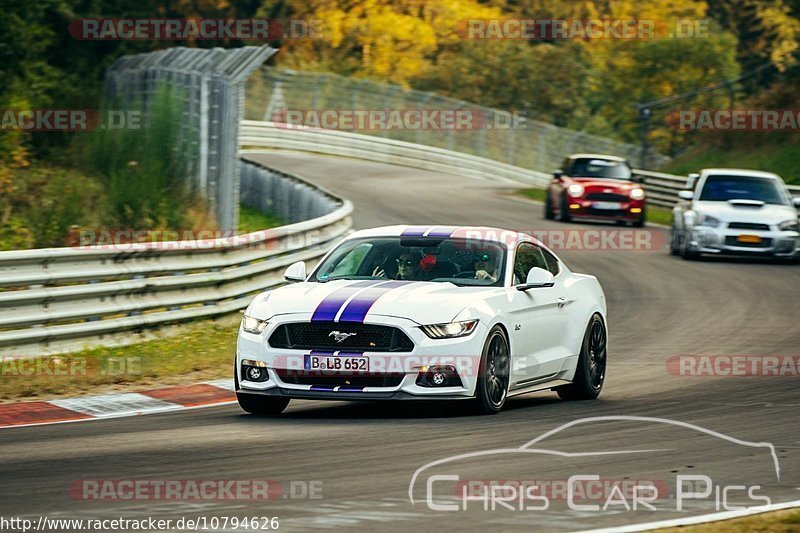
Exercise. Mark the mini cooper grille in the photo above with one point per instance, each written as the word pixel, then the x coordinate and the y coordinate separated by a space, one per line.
pixel 295 377
pixel 748 225
pixel 606 197
pixel 321 336
pixel 606 212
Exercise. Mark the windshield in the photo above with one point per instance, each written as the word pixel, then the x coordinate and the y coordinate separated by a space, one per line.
pixel 460 261
pixel 599 168
pixel 724 188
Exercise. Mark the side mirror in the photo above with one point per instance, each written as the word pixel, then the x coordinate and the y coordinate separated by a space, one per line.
pixel 296 272
pixel 685 195
pixel 558 174
pixel 796 202
pixel 537 278
pixel 691 181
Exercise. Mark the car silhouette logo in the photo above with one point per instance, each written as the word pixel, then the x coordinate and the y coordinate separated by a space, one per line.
pixel 339 336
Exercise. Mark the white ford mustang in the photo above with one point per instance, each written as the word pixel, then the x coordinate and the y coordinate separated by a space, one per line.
pixel 411 312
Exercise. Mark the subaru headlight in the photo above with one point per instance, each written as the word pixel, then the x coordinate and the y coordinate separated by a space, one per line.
pixel 707 220
pixel 789 225
pixel 253 325
pixel 637 194
pixel 575 189
pixel 450 330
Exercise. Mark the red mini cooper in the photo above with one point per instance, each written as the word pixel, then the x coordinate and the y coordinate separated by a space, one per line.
pixel 597 187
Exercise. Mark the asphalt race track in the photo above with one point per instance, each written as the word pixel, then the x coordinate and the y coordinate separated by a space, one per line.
pixel 365 454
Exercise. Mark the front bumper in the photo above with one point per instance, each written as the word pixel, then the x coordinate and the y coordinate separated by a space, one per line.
pixel 709 240
pixel 402 369
pixel 628 211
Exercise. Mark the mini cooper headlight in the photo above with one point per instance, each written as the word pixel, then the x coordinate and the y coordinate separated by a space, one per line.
pixel 253 325
pixel 450 330
pixel 709 221
pixel 789 225
pixel 575 189
pixel 637 194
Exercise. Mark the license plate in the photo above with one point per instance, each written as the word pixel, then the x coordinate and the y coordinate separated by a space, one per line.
pixel 751 239
pixel 607 205
pixel 329 362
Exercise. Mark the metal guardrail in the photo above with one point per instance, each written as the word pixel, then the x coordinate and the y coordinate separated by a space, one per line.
pixel 269 135
pixel 60 299
pixel 662 189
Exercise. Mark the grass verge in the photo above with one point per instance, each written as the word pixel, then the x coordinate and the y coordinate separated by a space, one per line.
pixel 777 522
pixel 203 351
pixel 655 214
pixel 251 219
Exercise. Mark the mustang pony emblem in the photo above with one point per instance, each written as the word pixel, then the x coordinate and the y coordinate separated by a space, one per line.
pixel 338 336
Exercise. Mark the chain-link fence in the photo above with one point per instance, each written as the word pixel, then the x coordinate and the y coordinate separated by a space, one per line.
pixel 272 94
pixel 208 85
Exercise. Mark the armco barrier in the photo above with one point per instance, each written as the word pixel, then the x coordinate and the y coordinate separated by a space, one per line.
pixel 60 299
pixel 662 189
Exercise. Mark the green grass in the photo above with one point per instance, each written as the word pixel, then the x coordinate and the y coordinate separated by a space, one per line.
pixel 202 351
pixel 655 214
pixel 778 522
pixel 251 219
pixel 781 157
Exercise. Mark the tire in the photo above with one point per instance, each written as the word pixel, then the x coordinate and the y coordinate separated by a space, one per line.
pixel 674 242
pixel 548 206
pixel 493 377
pixel 591 372
pixel 639 223
pixel 686 253
pixel 563 211
pixel 257 404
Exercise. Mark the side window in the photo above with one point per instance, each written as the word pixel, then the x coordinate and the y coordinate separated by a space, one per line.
pixel 565 166
pixel 527 257
pixel 552 262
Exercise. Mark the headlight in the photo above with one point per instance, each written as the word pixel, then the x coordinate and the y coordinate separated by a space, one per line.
pixel 706 220
pixel 253 325
pixel 451 330
pixel 789 225
pixel 637 194
pixel 575 189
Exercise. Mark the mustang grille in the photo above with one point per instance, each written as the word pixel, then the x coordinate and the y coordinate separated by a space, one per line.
pixel 320 336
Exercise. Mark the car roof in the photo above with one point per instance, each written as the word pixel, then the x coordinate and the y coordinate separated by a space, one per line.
pixel 738 172
pixel 598 156
pixel 504 236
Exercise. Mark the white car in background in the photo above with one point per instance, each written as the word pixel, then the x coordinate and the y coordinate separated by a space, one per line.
pixel 425 312
pixel 733 211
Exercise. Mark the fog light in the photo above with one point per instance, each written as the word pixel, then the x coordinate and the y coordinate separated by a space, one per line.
pixel 574 206
pixel 636 209
pixel 254 373
pixel 438 376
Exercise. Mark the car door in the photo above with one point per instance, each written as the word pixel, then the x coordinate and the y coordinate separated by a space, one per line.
pixel 536 321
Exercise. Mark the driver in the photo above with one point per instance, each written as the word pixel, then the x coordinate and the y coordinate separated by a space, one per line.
pixel 485 265
pixel 408 267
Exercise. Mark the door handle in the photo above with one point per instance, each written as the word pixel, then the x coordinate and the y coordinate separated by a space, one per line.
pixel 561 301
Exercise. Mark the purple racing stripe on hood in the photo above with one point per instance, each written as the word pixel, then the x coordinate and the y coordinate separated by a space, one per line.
pixel 330 305
pixel 357 308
